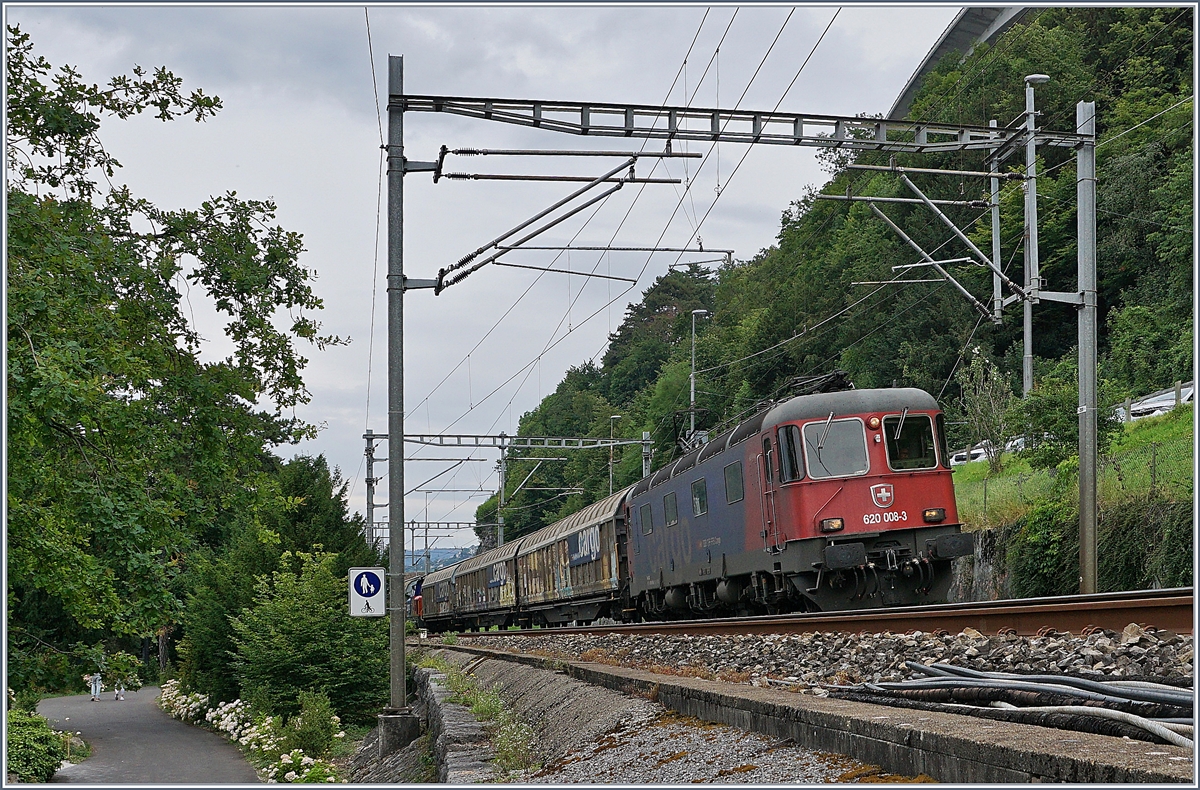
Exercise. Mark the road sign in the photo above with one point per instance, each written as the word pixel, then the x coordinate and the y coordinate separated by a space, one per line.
pixel 368 593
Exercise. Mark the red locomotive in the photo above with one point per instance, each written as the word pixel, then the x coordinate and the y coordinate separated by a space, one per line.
pixel 831 501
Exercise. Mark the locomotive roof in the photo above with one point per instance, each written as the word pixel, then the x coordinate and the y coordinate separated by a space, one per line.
pixel 811 407
pixel 597 513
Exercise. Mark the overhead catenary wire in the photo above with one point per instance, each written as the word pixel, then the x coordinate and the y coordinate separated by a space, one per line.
pixel 512 307
pixel 537 279
pixel 375 256
pixel 554 342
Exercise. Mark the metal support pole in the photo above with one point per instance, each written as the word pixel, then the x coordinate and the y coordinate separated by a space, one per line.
pixel 1085 122
pixel 611 418
pixel 369 436
pixel 997 297
pixel 500 506
pixel 692 380
pixel 1032 278
pixel 395 289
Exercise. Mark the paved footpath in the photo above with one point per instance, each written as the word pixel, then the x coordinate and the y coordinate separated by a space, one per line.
pixel 134 742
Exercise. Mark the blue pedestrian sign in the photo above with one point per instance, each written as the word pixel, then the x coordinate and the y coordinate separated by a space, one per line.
pixel 368 596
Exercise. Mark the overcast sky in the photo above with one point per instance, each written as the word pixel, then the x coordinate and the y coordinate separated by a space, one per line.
pixel 300 126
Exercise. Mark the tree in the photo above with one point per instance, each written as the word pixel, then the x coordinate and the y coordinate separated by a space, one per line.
pixel 303 510
pixel 126 451
pixel 297 636
pixel 987 403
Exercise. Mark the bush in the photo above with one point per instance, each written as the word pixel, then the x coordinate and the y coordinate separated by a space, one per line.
pixel 35 750
pixel 1142 544
pixel 298 637
pixel 1044 558
pixel 314 730
pixel 26 700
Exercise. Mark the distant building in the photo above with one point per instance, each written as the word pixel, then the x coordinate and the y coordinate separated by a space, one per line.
pixel 971 26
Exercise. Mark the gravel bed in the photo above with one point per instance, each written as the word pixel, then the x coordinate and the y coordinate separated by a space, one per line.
pixel 839 658
pixel 681 750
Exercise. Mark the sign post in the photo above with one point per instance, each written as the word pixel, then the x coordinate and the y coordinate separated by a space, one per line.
pixel 368 592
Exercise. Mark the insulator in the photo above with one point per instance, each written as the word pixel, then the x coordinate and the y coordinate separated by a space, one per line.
pixel 466 151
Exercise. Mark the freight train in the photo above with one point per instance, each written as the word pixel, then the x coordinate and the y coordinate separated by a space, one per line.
pixel 822 502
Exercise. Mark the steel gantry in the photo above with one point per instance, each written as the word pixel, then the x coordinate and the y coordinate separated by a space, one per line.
pixel 598 119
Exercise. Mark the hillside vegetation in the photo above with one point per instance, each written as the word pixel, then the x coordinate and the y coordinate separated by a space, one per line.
pixel 790 310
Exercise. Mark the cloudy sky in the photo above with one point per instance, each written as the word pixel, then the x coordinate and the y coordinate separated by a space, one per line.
pixel 300 125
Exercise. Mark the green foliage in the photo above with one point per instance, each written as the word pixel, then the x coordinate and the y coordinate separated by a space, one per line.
pixel 127 451
pixel 26 700
pixel 122 668
pixel 1044 558
pixel 303 505
pixel 313 729
pixel 297 636
pixel 1143 544
pixel 988 405
pixel 1051 420
pixel 35 750
pixel 1150 349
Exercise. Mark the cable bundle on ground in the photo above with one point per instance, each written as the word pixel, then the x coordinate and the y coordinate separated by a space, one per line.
pixel 1143 711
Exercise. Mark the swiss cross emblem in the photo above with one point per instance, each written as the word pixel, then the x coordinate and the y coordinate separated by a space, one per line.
pixel 882 495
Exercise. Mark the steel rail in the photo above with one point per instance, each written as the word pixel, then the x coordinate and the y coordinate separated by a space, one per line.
pixel 1164 609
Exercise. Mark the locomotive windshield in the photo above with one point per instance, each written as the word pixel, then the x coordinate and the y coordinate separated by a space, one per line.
pixel 914 447
pixel 835 448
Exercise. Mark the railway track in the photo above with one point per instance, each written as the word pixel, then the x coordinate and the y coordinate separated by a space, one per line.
pixel 1170 610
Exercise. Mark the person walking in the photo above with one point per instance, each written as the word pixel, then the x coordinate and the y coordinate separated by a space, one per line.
pixel 97 683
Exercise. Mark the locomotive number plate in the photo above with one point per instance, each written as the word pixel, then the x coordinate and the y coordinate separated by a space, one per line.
pixel 885 518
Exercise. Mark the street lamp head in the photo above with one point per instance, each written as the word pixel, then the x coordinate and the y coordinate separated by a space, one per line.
pixel 699 312
pixel 615 417
pixel 1037 79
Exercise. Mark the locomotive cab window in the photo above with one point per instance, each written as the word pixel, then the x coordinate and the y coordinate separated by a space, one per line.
pixel 941 440
pixel 647 519
pixel 733 483
pixel 789 462
pixel 835 448
pixel 671 509
pixel 910 442
pixel 699 497
pixel 767 457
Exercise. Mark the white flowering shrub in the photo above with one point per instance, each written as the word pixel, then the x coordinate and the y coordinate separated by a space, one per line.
pixel 296 766
pixel 264 739
pixel 181 705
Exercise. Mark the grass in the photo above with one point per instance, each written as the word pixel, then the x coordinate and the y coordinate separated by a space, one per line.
pixel 513 741
pixel 1153 455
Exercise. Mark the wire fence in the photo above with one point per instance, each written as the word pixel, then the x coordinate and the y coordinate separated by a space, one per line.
pixel 1162 469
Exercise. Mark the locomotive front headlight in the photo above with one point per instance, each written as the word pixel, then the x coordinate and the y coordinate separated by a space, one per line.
pixel 933 515
pixel 832 524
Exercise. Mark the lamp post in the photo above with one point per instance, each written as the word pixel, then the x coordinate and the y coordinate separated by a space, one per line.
pixel 612 419
pixel 692 408
pixel 1033 280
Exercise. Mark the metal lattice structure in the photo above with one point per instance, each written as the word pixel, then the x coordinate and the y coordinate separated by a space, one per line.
pixel 600 119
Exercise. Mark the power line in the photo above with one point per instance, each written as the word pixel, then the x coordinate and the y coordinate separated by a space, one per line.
pixel 537 279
